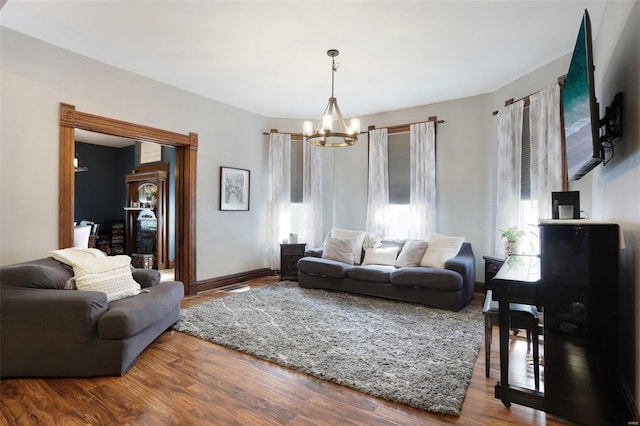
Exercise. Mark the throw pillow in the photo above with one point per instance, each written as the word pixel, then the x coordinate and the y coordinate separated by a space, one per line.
pixel 371 240
pixel 380 256
pixel 347 234
pixel 440 249
pixel 339 249
pixel 110 275
pixel 411 254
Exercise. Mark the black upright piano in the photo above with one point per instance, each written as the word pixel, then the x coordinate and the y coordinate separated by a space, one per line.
pixel 577 287
pixel 579 263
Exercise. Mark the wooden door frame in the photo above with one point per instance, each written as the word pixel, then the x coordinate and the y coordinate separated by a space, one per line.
pixel 186 146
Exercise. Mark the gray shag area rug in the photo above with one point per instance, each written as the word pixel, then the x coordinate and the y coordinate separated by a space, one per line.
pixel 402 352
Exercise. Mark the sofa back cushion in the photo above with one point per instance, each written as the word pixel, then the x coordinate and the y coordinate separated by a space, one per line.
pixel 411 254
pixel 380 256
pixel 40 273
pixel 358 236
pixel 441 248
pixel 340 249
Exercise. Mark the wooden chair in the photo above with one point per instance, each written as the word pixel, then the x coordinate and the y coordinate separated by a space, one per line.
pixel 522 317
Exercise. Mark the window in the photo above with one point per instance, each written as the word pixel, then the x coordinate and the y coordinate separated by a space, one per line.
pixel 529 244
pixel 525 168
pixel 296 171
pixel 296 187
pixel 399 164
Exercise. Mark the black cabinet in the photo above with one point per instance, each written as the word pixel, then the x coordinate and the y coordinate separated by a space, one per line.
pixel 289 256
pixel 579 275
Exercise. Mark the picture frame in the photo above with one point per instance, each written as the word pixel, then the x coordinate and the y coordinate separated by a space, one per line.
pixel 150 152
pixel 234 189
pixel 565 205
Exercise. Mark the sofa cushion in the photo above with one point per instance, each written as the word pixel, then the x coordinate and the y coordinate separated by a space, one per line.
pixel 371 240
pixel 411 254
pixel 323 267
pixel 41 273
pixel 373 273
pixel 433 278
pixel 339 249
pixel 380 256
pixel 127 317
pixel 441 248
pixel 348 234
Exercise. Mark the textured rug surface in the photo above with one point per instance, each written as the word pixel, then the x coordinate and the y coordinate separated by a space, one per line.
pixel 402 352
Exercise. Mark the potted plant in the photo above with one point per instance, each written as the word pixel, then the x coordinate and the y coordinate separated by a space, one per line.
pixel 511 235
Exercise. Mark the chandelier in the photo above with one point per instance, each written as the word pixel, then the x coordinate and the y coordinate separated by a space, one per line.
pixel 332 130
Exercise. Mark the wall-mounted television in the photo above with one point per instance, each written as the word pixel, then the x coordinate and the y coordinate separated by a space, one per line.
pixel 581 116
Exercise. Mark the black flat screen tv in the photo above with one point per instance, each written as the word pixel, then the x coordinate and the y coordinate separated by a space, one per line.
pixel 581 122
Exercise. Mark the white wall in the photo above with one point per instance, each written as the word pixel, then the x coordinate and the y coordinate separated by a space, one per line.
pixel 37 76
pixel 616 186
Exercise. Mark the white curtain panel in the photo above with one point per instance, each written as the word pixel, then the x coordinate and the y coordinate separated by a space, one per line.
pixel 312 194
pixel 378 194
pixel 278 197
pixel 509 169
pixel 546 147
pixel 422 196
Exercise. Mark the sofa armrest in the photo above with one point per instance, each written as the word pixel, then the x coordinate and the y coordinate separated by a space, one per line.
pixel 313 252
pixel 49 315
pixel 146 277
pixel 464 263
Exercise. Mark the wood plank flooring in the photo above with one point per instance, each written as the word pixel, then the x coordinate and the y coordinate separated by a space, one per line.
pixel 182 380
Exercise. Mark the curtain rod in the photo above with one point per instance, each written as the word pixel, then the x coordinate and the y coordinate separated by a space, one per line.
pixel 392 129
pixel 294 136
pixel 508 102
pixel 398 128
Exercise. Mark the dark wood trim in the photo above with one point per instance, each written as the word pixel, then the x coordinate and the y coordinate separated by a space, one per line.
pixel 212 283
pixel 186 146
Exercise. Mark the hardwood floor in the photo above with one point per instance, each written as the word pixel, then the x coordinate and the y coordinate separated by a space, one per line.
pixel 180 379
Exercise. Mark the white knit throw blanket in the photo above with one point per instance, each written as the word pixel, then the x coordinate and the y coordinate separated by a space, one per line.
pixel 69 256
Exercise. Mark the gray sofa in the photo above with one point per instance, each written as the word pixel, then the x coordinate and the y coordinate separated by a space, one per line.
pixel 448 288
pixel 47 331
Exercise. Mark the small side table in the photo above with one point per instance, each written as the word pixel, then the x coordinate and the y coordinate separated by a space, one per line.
pixel 289 256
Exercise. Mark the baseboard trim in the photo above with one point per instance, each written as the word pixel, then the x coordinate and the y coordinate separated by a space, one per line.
pixel 212 283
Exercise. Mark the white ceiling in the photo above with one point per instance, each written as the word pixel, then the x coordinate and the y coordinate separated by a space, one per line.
pixel 269 57
pixel 94 138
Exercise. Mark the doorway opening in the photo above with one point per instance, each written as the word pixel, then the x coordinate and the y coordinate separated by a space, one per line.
pixel 186 147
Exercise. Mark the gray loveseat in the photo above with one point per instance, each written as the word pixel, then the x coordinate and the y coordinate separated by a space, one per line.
pixel 47 331
pixel 448 288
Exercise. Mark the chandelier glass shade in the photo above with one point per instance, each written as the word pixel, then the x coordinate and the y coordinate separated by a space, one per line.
pixel 332 130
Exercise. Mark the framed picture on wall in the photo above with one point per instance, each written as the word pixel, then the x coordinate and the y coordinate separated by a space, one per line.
pixel 150 152
pixel 234 188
